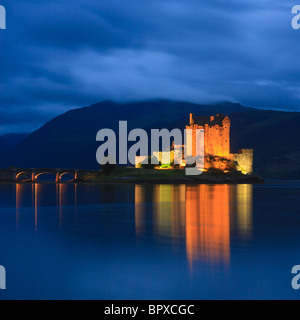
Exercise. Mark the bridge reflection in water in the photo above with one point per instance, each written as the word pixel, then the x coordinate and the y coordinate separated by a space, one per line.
pixel 204 216
pixel 37 192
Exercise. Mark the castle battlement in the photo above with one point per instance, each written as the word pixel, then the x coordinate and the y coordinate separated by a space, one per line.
pixel 217 143
pixel 216 134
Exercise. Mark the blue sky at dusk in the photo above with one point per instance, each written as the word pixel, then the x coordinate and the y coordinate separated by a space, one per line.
pixel 60 55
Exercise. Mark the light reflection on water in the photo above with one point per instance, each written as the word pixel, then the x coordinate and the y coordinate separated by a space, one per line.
pixel 202 213
pixel 37 191
pixel 126 241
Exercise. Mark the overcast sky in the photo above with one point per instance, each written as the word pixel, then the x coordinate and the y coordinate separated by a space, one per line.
pixel 59 55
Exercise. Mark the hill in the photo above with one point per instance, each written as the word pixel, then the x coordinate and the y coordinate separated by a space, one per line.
pixel 9 141
pixel 69 141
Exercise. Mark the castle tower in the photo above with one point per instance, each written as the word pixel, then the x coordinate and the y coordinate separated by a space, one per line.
pixel 216 134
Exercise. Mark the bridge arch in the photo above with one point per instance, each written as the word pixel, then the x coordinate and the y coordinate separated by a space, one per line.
pixel 65 173
pixel 20 173
pixel 36 175
pixel 14 174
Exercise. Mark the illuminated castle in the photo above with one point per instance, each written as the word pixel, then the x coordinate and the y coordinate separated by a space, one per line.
pixel 217 144
pixel 217 153
pixel 216 134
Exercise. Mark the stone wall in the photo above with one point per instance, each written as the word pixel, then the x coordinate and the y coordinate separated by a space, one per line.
pixel 216 139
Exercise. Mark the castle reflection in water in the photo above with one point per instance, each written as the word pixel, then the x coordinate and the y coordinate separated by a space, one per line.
pixel 203 215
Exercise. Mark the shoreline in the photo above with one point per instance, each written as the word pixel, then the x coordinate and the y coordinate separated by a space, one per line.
pixel 177 180
pixel 148 181
pixel 228 179
pixel 150 176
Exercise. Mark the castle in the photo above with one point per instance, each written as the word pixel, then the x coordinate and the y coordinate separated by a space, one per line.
pixel 217 152
pixel 217 144
pixel 216 134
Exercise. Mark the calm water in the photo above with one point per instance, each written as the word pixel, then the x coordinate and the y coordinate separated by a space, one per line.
pixel 85 241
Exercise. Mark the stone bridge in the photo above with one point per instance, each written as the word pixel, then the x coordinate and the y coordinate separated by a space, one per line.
pixel 33 174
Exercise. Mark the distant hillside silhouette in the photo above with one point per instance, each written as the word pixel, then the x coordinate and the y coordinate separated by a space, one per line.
pixel 69 141
pixel 8 141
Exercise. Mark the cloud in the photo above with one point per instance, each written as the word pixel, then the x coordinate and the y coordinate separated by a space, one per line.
pixel 59 55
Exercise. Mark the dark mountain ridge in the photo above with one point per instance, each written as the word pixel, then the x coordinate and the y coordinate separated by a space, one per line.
pixel 8 141
pixel 69 141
